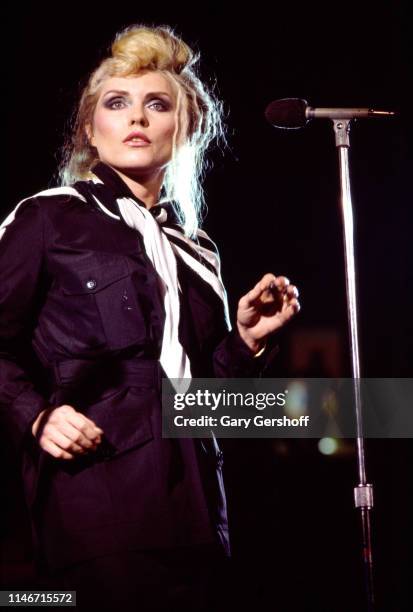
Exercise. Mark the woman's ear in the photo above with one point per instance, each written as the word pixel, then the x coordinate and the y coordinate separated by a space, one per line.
pixel 89 134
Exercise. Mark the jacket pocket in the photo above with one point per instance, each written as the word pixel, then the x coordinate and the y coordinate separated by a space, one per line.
pixel 125 420
pixel 109 291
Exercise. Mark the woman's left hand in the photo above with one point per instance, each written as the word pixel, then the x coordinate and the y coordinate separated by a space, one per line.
pixel 266 308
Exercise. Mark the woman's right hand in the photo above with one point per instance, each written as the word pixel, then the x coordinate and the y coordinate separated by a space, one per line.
pixel 65 432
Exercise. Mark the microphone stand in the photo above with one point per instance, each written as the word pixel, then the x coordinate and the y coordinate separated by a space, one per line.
pixel 363 492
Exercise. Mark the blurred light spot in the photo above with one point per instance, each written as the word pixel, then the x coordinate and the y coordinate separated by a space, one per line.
pixel 328 446
pixel 297 399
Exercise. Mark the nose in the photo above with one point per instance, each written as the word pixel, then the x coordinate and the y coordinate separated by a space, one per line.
pixel 138 116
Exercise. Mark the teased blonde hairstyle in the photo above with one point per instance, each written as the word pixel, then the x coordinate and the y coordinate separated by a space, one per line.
pixel 199 115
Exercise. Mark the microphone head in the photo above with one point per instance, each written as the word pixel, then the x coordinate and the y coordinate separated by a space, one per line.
pixel 287 113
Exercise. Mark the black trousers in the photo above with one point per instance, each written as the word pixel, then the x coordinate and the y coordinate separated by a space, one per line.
pixel 187 579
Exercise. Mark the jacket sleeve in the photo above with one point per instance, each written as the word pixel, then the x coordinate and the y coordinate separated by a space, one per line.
pixel 23 279
pixel 234 359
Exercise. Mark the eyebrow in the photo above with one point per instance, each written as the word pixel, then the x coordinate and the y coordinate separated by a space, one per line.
pixel 123 92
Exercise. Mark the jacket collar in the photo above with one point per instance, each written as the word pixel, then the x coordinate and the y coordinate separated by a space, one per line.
pixel 115 186
pixel 110 187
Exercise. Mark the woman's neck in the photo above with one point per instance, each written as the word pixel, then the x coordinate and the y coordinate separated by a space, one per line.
pixel 147 189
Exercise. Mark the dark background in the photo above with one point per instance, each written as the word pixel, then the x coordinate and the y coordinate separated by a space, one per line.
pixel 273 206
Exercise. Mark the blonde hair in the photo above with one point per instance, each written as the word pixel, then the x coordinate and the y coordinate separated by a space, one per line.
pixel 199 115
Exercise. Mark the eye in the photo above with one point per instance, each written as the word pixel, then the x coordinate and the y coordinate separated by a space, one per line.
pixel 115 103
pixel 159 105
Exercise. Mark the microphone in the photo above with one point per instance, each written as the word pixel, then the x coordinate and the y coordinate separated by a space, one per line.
pixel 294 113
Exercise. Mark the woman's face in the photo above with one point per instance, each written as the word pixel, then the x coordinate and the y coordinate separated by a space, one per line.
pixel 134 123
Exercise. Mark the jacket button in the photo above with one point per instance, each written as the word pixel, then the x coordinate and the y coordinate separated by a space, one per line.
pixel 91 284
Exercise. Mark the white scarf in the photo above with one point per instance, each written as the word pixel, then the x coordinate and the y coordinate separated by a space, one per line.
pixel 162 253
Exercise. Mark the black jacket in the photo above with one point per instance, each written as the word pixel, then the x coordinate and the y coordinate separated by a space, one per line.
pixel 81 323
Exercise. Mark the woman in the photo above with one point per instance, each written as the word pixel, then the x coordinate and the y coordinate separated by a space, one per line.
pixel 108 286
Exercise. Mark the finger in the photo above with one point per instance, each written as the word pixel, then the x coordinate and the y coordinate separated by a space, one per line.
pixel 85 425
pixel 75 426
pixel 281 283
pixel 293 306
pixel 74 416
pixel 82 431
pixel 268 278
pixel 55 450
pixel 62 441
pixel 263 285
pixel 92 423
pixel 254 294
pixel 76 435
pixel 292 291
